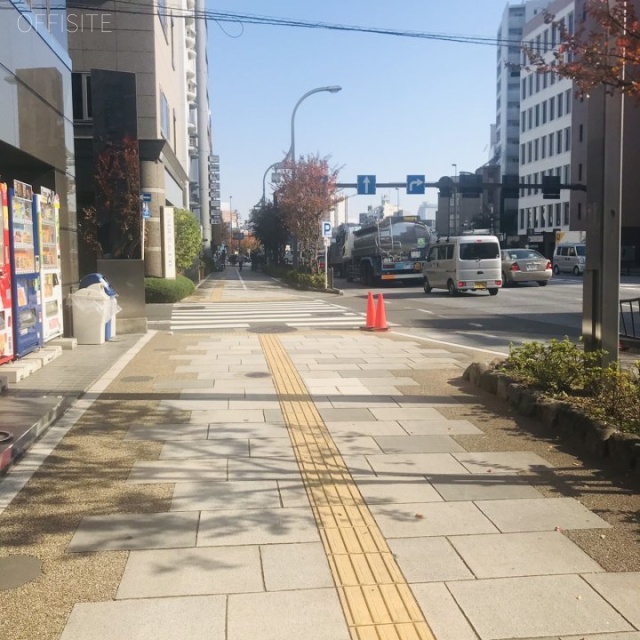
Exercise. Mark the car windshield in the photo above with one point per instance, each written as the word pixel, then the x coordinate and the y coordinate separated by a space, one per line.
pixel 522 254
pixel 479 250
pixel 581 250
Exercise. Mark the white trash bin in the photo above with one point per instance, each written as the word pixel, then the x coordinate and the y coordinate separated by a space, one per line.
pixel 91 312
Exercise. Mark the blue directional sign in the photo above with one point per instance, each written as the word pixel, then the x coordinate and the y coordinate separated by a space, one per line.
pixel 366 185
pixel 146 197
pixel 415 185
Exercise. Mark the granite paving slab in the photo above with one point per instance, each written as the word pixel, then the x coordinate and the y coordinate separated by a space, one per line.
pixel 407 413
pixel 172 470
pixel 502 462
pixel 622 590
pixel 535 606
pixel 198 618
pixel 347 415
pixel 440 426
pixel 390 489
pixel 293 494
pixel 271 446
pixel 124 531
pixel 445 618
pixel 357 445
pixel 428 560
pixel 186 431
pixel 540 515
pixel 290 567
pixel 208 496
pixel 418 444
pixel 633 635
pixel 431 519
pixel 313 614
pixel 360 402
pixel 269 468
pixel 247 430
pixel 191 572
pixel 194 404
pixel 256 526
pixel 506 555
pixel 236 415
pixel 488 487
pixel 416 464
pixel 216 447
pixel 364 428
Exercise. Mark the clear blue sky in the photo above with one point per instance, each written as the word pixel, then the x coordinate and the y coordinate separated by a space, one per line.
pixel 407 106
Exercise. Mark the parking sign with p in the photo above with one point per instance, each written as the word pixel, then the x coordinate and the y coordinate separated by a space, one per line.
pixel 326 228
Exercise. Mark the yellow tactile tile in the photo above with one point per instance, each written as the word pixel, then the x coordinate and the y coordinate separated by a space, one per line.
pixel 377 601
pixel 216 294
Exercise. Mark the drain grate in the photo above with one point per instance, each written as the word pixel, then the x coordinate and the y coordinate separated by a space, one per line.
pixel 258 374
pixel 18 570
pixel 275 328
pixel 136 379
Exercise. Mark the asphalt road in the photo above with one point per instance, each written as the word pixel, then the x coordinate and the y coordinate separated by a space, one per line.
pixel 517 314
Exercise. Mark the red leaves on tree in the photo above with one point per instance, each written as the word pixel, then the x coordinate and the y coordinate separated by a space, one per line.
pixel 603 51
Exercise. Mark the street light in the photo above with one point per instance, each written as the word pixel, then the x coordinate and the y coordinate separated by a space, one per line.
pixel 292 149
pixel 275 165
pixel 455 197
pixel 291 155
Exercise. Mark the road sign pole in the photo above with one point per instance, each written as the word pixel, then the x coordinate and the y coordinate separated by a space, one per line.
pixel 326 266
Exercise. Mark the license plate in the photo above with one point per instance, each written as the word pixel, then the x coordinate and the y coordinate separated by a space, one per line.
pixel 479 285
pixel 388 277
pixel 531 267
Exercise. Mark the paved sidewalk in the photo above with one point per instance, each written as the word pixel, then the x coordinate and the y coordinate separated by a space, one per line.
pixel 280 486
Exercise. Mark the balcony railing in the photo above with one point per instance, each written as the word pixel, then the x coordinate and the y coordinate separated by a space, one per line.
pixel 630 319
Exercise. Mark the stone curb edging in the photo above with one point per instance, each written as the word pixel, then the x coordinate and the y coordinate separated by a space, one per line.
pixel 593 435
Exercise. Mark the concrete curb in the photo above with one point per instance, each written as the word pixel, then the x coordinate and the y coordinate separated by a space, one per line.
pixel 591 434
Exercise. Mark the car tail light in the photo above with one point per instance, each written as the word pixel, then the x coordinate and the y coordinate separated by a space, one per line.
pixel 498 283
pixel 462 285
pixel 549 267
pixel 514 267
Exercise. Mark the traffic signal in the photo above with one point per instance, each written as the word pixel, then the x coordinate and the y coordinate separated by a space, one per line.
pixel 551 187
pixel 470 185
pixel 511 186
pixel 445 187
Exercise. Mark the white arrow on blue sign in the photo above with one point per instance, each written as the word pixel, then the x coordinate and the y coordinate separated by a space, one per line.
pixel 415 185
pixel 366 185
pixel 146 197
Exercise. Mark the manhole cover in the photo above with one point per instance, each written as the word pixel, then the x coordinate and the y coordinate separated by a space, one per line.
pixel 136 379
pixel 258 374
pixel 18 570
pixel 276 328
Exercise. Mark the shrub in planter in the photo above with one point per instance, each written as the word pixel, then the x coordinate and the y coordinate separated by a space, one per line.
pixel 158 290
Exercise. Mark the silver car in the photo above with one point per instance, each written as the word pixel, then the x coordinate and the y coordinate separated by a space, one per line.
pixel 525 265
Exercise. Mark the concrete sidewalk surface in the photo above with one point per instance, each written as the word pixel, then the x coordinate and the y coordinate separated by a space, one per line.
pixel 231 486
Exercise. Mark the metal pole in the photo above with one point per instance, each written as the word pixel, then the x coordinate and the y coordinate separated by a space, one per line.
pixel 455 198
pixel 264 178
pixel 202 99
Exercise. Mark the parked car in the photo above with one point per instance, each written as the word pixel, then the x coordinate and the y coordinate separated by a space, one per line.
pixel 570 258
pixel 525 265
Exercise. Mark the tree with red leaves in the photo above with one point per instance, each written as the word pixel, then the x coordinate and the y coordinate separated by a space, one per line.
pixel 113 226
pixel 305 195
pixel 603 51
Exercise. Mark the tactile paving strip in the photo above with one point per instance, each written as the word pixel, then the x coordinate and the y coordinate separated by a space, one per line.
pixel 376 599
pixel 216 295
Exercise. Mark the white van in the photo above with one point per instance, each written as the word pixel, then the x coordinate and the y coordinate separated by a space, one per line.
pixel 570 258
pixel 464 263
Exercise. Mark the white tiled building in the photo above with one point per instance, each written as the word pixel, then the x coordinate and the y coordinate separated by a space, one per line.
pixel 546 103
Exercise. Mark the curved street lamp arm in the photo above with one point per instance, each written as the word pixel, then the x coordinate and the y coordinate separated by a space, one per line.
pixel 264 178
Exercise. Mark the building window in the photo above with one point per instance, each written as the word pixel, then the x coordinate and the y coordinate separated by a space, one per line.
pixel 530 112
pixel 164 117
pixel 545 79
pixel 558 142
pixel 535 149
pixel 565 170
pixel 523 124
pixel 557 214
pixel 550 144
pixel 580 171
pixel 524 88
pixel 81 93
pixel 567 139
pixel 537 120
pixel 537 82
pixel 523 158
pixel 543 150
pixel 529 151
pixel 559 98
pixel 552 78
pixel 531 85
pixel 522 218
pixel 568 99
pixel 566 214
pixel 544 112
pixel 552 108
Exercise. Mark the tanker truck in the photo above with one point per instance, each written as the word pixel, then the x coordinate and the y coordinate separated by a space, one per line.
pixel 391 248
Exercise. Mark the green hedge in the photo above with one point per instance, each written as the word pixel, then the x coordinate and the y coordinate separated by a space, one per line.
pixel 305 280
pixel 157 290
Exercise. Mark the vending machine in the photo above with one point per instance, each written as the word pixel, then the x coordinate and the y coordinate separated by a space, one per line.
pixel 6 324
pixel 47 207
pixel 25 270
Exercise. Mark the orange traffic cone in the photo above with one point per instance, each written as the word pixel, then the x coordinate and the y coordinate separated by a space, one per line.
pixel 371 314
pixel 381 318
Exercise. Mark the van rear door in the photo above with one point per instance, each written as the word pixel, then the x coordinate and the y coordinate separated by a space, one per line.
pixel 479 263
